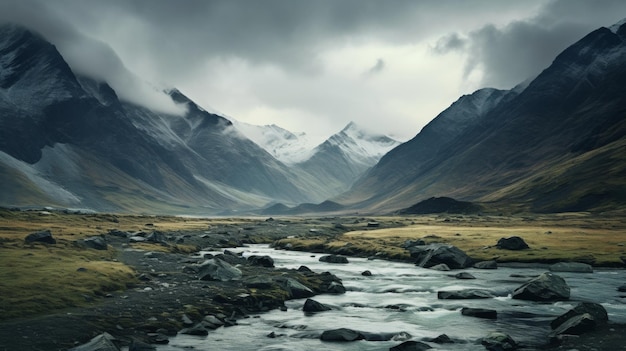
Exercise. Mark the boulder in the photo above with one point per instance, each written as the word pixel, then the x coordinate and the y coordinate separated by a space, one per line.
pixel 411 243
pixel 211 322
pixel 44 236
pixel 576 325
pixel 411 345
pixel 621 288
pixel 263 261
pixel 312 306
pixel 102 342
pixel 136 345
pixel 486 265
pixel 157 238
pixel 440 267
pixel 341 334
pixel 466 294
pixel 497 341
pixel 434 254
pixel 366 273
pixel 334 259
pixel 597 311
pixel 479 313
pixel 197 329
pixel 216 269
pixel 296 289
pixel 335 287
pixel 259 282
pixel 441 339
pixel 573 267
pixel 546 287
pixel 464 275
pixel 512 243
pixel 94 242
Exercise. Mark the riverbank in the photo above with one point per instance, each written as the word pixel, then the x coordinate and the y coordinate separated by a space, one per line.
pixel 143 285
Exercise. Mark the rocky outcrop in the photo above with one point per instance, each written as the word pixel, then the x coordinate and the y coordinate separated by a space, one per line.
pixel 44 236
pixel 596 311
pixel 512 243
pixel 572 267
pixel 433 254
pixel 216 269
pixel 546 287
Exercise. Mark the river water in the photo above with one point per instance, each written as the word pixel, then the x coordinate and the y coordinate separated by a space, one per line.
pixel 400 297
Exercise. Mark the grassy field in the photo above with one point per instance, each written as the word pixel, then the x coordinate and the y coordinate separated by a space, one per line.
pixel 582 237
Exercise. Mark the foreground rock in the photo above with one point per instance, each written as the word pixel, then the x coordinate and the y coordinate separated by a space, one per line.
pixel 431 255
pixel 583 318
pixel 411 346
pixel 572 267
pixel 512 243
pixel 497 341
pixel 341 334
pixel 546 287
pixel 102 342
pixel 312 306
pixel 334 259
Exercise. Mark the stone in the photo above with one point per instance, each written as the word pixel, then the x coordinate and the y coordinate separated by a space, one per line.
pixel 479 313
pixel 497 341
pixel 441 339
pixel 312 306
pixel 546 287
pixel 136 239
pixel 335 288
pixel 512 243
pixel 296 289
pixel 136 345
pixel 411 345
pixel 334 259
pixel 262 261
pixel 466 294
pixel 621 288
pixel 464 275
pixel 576 325
pixel 486 265
pixel 304 269
pixel 259 282
pixel 434 254
pixel 341 334
pixel 440 267
pixel 572 267
pixel 366 273
pixel 102 342
pixel 216 269
pixel 597 311
pixel 44 236
pixel 118 233
pixel 94 242
pixel 157 238
pixel 212 322
pixel 198 330
pixel 411 243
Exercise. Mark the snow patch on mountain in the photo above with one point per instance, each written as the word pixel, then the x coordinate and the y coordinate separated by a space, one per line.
pixel 362 146
pixel 284 145
pixel 614 28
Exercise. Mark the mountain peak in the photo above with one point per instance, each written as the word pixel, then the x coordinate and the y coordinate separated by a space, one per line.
pixel 614 28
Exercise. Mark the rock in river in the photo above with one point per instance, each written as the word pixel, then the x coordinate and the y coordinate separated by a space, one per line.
pixel 497 341
pixel 479 313
pixel 546 287
pixel 411 345
pixel 466 294
pixel 597 311
pixel 263 261
pixel 573 267
pixel 334 259
pixel 313 306
pixel 341 334
pixel 434 254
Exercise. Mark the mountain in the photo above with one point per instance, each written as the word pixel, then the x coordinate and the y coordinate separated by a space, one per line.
pixel 284 145
pixel 68 140
pixel 345 156
pixel 555 144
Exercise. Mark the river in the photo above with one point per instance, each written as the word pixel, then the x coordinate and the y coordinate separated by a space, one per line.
pixel 400 297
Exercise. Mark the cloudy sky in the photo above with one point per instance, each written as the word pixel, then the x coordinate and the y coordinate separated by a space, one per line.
pixel 313 66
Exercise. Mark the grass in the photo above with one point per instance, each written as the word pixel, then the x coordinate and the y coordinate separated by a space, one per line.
pixel 568 237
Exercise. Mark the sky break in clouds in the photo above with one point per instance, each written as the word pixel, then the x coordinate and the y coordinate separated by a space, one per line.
pixel 312 66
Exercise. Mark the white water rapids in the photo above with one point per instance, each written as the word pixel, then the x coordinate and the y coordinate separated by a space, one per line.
pixel 400 297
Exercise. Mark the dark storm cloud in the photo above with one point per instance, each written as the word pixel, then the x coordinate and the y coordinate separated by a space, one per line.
pixel 522 49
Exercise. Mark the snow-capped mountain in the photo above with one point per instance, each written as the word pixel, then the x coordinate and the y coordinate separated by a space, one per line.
pixel 555 144
pixel 344 157
pixel 284 145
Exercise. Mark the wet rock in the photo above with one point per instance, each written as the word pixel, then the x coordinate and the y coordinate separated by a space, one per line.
pixel 576 325
pixel 464 275
pixel 440 267
pixel 497 341
pixel 216 269
pixel 466 294
pixel 479 313
pixel 411 345
pixel 597 311
pixel 212 322
pixel 259 282
pixel 304 269
pixel 136 239
pixel 94 242
pixel 157 238
pixel 366 273
pixel 334 259
pixel 441 339
pixel 102 342
pixel 44 236
pixel 312 306
pixel 621 288
pixel 341 334
pixel 573 267
pixel 137 345
pixel 197 329
pixel 262 261
pixel 231 258
pixel 335 287
pixel 434 254
pixel 410 243
pixel 486 265
pixel 401 336
pixel 546 287
pixel 512 243
pixel 296 289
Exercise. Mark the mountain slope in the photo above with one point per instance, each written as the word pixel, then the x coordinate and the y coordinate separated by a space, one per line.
pixel 284 145
pixel 73 134
pixel 573 110
pixel 345 156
